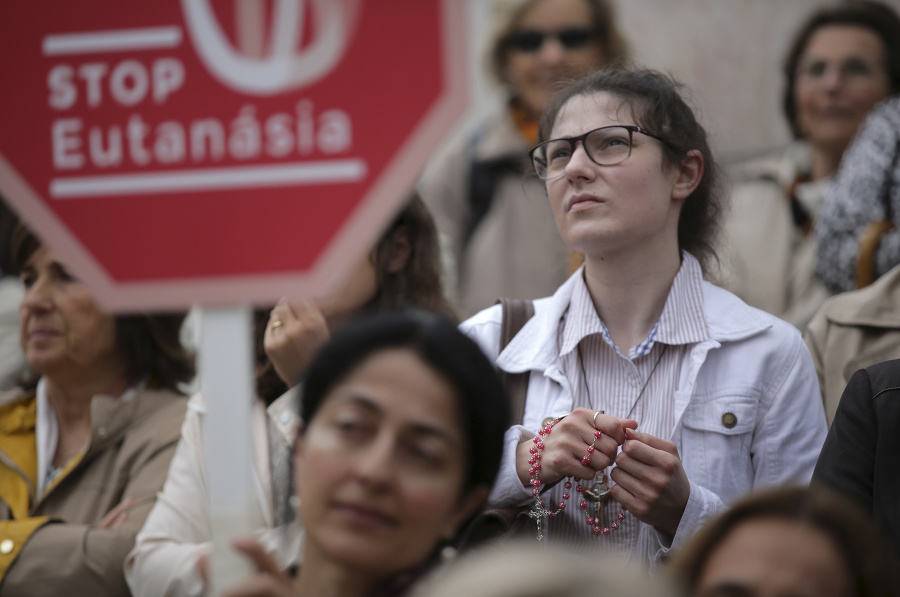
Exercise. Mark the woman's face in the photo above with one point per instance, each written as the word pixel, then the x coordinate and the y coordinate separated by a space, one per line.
pixel 772 557
pixel 381 466
pixel 840 76
pixel 535 73
pixel 604 209
pixel 62 329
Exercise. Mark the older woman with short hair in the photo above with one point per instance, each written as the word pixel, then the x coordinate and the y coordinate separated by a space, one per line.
pixel 85 449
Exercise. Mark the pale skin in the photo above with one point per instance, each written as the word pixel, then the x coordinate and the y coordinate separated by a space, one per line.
pixel 842 74
pixel 70 341
pixel 624 219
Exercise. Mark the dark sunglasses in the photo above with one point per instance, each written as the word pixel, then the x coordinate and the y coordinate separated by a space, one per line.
pixel 530 40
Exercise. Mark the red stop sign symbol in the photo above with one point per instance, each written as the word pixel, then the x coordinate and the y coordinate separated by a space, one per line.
pixel 221 152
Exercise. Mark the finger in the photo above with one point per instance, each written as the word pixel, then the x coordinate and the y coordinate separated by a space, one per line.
pixel 111 516
pixel 653 441
pixel 257 554
pixel 202 567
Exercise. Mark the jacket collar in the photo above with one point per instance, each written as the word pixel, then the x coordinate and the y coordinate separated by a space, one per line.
pixel 536 347
pixel 874 305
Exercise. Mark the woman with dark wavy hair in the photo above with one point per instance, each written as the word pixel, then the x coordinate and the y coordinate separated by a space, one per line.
pixel 84 449
pixel 401 272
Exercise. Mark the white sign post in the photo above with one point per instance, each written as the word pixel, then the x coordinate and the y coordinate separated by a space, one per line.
pixel 226 381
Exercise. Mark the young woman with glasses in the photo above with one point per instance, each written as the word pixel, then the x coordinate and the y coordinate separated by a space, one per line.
pixel 497 233
pixel 654 397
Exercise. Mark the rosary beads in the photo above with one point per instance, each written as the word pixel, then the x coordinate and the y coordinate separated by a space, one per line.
pixel 598 494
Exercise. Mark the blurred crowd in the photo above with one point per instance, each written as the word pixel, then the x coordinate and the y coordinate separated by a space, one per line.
pixel 689 388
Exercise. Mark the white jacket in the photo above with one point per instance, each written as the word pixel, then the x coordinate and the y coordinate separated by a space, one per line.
pixel 177 532
pixel 751 365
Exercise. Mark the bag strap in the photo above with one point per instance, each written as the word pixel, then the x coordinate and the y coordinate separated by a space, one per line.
pixel 516 312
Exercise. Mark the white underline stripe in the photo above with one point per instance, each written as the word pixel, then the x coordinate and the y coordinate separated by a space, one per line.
pixel 321 172
pixel 149 38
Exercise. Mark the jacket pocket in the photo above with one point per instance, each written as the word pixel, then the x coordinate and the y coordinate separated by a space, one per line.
pixel 717 440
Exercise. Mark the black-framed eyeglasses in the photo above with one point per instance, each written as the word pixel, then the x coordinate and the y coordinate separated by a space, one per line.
pixel 605 146
pixel 531 40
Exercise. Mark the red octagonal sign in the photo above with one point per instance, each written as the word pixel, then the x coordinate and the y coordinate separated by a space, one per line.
pixel 220 151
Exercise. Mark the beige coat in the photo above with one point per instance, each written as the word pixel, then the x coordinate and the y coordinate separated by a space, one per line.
pixel 516 250
pixel 852 331
pixel 178 531
pixel 765 259
pixel 128 455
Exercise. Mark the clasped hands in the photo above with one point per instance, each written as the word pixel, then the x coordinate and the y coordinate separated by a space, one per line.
pixel 650 480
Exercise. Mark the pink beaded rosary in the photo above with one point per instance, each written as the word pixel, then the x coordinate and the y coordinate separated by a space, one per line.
pixel 599 493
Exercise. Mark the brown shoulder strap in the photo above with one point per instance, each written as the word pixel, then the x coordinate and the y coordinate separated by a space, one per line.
pixel 515 313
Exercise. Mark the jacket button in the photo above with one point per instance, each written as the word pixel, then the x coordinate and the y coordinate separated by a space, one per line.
pixel 729 420
pixel 6 546
pixel 102 432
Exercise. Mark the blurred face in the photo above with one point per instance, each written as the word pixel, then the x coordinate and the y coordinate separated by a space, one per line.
pixel 551 42
pixel 840 76
pixel 380 469
pixel 770 557
pixel 603 209
pixel 62 329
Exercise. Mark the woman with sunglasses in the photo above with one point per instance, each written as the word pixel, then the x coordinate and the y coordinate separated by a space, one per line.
pixel 654 397
pixel 497 233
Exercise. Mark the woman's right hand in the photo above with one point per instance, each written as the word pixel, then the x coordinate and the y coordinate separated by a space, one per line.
pixel 568 443
pixel 292 343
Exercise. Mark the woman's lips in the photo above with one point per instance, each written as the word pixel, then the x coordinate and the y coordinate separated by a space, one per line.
pixel 365 516
pixel 42 333
pixel 582 202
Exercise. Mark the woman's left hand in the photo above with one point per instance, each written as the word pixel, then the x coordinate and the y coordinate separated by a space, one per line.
pixel 269 581
pixel 650 481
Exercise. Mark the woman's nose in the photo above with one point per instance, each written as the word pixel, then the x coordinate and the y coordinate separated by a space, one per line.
pixel 580 165
pixel 552 51
pixel 37 296
pixel 375 463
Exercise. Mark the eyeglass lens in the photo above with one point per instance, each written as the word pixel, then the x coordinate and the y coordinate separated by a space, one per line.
pixel 531 40
pixel 606 146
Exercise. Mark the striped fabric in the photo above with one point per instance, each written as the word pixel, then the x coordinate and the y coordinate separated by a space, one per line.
pixel 614 382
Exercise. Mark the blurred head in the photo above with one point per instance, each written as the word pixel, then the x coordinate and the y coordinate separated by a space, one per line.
pixel 403 420
pixel 533 570
pixel 652 101
pixel 795 541
pixel 844 60
pixel 536 45
pixel 65 332
pixel 403 271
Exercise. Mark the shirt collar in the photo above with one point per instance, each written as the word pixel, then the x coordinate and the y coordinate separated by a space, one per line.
pixel 681 322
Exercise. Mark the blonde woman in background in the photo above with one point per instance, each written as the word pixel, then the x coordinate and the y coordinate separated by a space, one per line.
pixel 497 231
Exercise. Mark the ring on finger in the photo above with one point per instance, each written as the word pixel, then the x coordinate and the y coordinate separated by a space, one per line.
pixel 594 420
pixel 277 324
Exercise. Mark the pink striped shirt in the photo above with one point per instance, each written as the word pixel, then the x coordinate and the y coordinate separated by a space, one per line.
pixel 614 384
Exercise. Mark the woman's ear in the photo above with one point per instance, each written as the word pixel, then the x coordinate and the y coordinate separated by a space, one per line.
pixel 469 504
pixel 400 250
pixel 690 173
